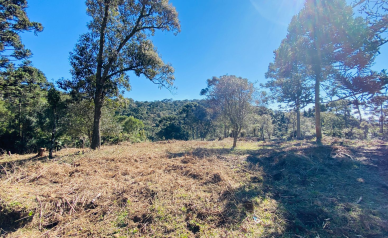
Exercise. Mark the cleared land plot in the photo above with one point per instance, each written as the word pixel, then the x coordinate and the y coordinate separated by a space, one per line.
pixel 199 189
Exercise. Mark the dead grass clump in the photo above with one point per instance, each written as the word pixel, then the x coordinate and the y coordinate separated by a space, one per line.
pixel 215 178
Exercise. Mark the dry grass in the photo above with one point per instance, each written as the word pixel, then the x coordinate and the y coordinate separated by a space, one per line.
pixel 196 189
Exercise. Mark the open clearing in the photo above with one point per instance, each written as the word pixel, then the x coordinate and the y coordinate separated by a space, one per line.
pixel 199 189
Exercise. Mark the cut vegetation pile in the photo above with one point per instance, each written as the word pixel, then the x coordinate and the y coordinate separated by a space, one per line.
pixel 199 189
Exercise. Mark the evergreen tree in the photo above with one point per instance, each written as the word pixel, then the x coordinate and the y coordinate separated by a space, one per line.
pixel 14 20
pixel 329 41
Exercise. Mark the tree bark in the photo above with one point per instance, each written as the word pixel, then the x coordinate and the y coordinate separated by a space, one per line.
pixel 52 137
pixel 234 141
pixel 235 132
pixel 96 136
pixel 262 133
pixel 298 134
pixel 359 111
pixel 20 118
pixel 318 128
pixel 99 94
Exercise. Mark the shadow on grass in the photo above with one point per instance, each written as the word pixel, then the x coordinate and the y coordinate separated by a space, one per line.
pixel 9 166
pixel 11 220
pixel 320 191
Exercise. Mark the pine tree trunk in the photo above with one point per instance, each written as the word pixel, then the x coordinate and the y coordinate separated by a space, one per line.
pixel 382 120
pixel 346 119
pixel 52 137
pixel 382 125
pixel 298 134
pixel 318 74
pixel 20 118
pixel 359 111
pixel 318 128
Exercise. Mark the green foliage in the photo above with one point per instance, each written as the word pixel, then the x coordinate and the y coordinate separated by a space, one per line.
pixel 134 129
pixel 117 44
pixel 263 124
pixel 5 116
pixel 132 125
pixel 332 124
pixel 230 97
pixel 196 120
pixel 151 112
pixel 23 93
pixel 79 121
pixel 14 20
pixel 376 14
pixel 171 128
pixel 327 45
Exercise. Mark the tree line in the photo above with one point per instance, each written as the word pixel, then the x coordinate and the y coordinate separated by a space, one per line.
pixel 321 76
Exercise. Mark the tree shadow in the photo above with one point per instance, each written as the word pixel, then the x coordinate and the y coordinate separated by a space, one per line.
pixel 319 190
pixel 9 166
pixel 12 220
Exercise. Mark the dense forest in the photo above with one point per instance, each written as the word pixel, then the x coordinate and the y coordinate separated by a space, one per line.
pixel 320 77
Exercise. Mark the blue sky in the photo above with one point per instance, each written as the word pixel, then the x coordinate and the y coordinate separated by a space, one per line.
pixel 218 37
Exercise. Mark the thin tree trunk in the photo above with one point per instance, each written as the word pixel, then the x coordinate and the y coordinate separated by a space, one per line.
pixel 52 138
pixel 262 133
pixel 318 128
pixel 20 118
pixel 359 111
pixel 234 141
pixel 298 134
pixel 235 133
pixel 193 133
pixel 318 74
pixel 382 120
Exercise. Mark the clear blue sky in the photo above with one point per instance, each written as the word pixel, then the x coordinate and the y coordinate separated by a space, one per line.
pixel 218 37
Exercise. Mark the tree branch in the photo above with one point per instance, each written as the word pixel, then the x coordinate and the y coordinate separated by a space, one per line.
pixel 122 44
pixel 122 71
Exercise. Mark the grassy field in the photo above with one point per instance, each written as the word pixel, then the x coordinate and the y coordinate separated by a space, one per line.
pixel 199 189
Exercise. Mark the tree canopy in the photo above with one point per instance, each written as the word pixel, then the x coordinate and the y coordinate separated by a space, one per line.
pixel 14 20
pixel 328 41
pixel 117 42
pixel 232 98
